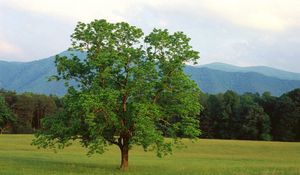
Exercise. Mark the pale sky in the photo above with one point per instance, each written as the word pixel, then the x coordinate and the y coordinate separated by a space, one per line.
pixel 239 32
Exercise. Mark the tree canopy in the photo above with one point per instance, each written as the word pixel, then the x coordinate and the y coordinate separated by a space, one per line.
pixel 130 89
pixel 6 116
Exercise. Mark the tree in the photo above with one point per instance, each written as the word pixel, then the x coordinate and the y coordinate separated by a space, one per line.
pixel 228 119
pixel 253 123
pixel 9 96
pixel 211 118
pixel 129 89
pixel 234 116
pixel 284 115
pixel 43 106
pixel 295 96
pixel 23 109
pixel 6 116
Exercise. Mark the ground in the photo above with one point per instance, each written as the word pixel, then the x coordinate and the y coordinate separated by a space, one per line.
pixel 209 157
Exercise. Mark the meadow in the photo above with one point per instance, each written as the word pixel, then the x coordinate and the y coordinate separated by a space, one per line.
pixel 207 157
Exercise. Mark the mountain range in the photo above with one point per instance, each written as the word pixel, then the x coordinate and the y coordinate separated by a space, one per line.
pixel 211 78
pixel 268 71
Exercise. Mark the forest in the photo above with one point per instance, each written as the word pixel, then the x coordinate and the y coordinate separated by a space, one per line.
pixel 251 116
pixel 229 115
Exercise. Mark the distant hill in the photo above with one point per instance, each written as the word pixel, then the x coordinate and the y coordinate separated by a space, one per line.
pixel 215 81
pixel 211 78
pixel 30 76
pixel 268 71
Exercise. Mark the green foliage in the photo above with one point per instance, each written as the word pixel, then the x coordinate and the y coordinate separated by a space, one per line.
pixel 233 116
pixel 28 110
pixel 6 116
pixel 284 113
pixel 129 88
pixel 255 122
pixel 251 116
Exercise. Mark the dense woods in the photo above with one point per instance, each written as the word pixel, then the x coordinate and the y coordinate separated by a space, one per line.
pixel 251 116
pixel 228 115
pixel 22 113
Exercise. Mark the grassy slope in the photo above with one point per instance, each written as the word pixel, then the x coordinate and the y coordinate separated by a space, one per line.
pixel 203 157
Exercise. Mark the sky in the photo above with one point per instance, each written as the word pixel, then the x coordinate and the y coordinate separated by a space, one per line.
pixel 239 32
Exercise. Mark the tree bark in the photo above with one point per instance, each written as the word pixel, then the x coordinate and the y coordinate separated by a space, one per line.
pixel 124 157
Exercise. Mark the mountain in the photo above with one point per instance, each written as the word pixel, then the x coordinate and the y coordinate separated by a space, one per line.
pixel 30 76
pixel 264 70
pixel 215 81
pixel 211 78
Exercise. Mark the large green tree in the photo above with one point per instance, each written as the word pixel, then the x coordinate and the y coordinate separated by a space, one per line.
pixel 130 89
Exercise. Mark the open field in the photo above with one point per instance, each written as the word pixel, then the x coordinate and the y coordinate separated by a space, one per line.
pixel 218 157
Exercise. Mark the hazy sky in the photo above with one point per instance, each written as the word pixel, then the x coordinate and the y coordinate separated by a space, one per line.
pixel 240 32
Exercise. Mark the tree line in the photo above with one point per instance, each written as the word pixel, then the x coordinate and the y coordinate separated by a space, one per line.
pixel 228 115
pixel 22 113
pixel 251 116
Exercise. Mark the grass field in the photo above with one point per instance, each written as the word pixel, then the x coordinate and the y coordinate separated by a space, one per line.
pixel 220 157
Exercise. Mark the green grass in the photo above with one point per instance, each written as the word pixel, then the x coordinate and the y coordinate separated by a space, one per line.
pixel 217 157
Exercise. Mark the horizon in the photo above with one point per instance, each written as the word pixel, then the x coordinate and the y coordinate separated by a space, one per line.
pixel 255 34
pixel 201 64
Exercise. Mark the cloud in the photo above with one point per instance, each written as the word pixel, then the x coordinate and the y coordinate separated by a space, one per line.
pixel 8 48
pixel 267 15
pixel 261 15
pixel 243 32
pixel 36 36
pixel 78 10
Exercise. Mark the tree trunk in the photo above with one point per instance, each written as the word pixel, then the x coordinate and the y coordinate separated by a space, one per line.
pixel 124 157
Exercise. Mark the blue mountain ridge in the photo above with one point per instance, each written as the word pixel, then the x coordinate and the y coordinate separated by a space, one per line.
pixel 268 71
pixel 211 78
